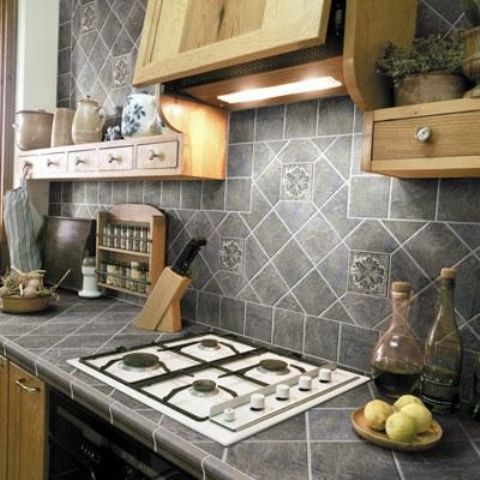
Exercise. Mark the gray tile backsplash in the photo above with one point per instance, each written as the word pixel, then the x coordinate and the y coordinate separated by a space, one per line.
pixel 302 245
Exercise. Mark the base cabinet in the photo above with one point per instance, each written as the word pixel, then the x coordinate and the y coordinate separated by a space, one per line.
pixel 22 424
pixel 3 417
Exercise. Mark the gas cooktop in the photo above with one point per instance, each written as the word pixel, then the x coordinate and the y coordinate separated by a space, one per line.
pixel 223 388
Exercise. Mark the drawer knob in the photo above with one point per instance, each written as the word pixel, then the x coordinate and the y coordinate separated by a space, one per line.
pixel 423 134
pixel 50 163
pixel 111 158
pixel 79 161
pixel 152 155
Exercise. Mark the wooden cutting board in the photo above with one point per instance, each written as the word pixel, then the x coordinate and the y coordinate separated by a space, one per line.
pixel 65 243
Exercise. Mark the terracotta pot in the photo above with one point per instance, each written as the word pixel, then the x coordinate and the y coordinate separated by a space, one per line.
pixel 429 87
pixel 88 122
pixel 33 129
pixel 62 127
pixel 471 60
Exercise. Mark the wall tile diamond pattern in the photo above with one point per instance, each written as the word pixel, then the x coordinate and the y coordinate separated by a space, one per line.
pixel 302 245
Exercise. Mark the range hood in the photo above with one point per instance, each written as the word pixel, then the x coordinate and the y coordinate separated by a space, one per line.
pixel 247 53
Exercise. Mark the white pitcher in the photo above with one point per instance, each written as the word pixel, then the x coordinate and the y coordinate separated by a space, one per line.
pixel 140 116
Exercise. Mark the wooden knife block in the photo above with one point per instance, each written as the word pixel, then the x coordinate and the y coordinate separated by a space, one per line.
pixel 162 309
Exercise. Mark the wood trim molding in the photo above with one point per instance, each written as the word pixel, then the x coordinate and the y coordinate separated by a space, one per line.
pixel 8 49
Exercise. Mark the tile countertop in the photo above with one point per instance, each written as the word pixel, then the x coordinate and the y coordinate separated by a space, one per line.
pixel 316 445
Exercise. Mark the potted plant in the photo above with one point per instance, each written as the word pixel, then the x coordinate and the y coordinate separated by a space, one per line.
pixel 471 61
pixel 428 71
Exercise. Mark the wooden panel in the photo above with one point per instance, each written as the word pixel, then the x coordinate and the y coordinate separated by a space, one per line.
pixel 438 167
pixel 331 67
pixel 26 426
pixel 223 19
pixel 3 417
pixel 455 134
pixel 369 25
pixel 182 38
pixel 158 155
pixel 204 147
pixel 82 161
pixel 115 158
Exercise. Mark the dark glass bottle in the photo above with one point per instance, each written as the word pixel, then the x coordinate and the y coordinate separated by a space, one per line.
pixel 443 353
pixel 397 359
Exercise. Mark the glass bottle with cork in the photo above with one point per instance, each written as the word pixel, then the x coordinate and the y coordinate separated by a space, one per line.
pixel 443 352
pixel 397 359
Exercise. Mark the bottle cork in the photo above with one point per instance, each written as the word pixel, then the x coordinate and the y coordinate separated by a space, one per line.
pixel 448 273
pixel 401 287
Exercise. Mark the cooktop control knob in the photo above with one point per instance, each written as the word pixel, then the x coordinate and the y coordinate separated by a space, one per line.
pixel 282 392
pixel 229 414
pixel 325 375
pixel 305 383
pixel 257 401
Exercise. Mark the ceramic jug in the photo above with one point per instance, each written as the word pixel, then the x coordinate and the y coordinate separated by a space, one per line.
pixel 88 122
pixel 140 116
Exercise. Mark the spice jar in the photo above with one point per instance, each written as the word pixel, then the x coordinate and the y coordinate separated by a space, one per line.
pixel 135 275
pixel 117 236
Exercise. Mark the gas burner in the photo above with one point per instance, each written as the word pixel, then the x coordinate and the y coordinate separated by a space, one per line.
pixel 272 366
pixel 209 344
pixel 204 388
pixel 140 362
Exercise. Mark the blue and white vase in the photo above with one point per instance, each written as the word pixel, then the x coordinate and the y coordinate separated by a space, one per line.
pixel 140 116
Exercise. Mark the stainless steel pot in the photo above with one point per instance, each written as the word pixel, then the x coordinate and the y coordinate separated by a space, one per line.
pixel 33 129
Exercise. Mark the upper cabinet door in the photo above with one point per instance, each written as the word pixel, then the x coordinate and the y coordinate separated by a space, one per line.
pixel 187 37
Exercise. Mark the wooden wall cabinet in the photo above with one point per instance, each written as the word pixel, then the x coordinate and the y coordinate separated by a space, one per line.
pixel 194 148
pixel 183 38
pixel 22 424
pixel 431 140
pixel 209 48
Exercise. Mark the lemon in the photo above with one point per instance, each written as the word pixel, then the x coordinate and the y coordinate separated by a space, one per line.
pixel 420 415
pixel 405 400
pixel 400 427
pixel 376 413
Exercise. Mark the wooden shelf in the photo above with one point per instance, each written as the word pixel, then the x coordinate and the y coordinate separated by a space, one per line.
pixel 129 214
pixel 390 146
pixel 123 290
pixel 124 252
pixel 193 147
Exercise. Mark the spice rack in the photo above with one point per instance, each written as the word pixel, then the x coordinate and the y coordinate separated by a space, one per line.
pixel 130 248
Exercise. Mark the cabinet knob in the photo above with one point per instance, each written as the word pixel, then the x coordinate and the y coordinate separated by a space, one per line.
pixel 111 158
pixel 152 155
pixel 21 383
pixel 423 134
pixel 50 163
pixel 78 161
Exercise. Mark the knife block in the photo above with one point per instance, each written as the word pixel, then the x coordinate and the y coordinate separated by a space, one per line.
pixel 162 309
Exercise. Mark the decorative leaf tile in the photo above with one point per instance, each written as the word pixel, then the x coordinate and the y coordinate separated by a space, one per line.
pixel 121 70
pixel 88 17
pixel 368 273
pixel 231 257
pixel 296 182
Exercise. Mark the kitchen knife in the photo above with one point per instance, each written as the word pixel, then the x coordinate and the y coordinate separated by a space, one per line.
pixel 187 256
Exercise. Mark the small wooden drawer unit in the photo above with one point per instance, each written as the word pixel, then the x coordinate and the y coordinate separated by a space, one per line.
pixel 158 155
pixel 115 158
pixel 82 161
pixel 440 139
pixel 54 163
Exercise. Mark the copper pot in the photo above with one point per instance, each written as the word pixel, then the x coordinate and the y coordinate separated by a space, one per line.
pixel 33 129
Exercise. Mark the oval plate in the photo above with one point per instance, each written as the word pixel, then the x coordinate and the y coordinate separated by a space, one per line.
pixel 423 441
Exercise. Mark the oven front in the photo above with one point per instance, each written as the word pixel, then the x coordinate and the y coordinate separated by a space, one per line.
pixel 84 447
